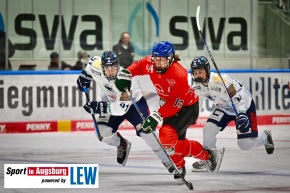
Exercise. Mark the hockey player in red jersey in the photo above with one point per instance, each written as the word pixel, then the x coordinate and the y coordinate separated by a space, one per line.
pixel 180 106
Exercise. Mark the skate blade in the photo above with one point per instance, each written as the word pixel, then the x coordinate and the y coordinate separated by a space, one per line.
pixel 221 155
pixel 199 170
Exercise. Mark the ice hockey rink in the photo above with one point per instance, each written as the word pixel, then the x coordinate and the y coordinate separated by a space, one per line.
pixel 241 171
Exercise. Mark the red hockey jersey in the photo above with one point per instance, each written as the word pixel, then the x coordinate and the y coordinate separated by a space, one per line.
pixel 172 86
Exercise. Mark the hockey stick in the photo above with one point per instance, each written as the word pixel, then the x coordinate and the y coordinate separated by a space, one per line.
pixel 93 116
pixel 188 184
pixel 211 57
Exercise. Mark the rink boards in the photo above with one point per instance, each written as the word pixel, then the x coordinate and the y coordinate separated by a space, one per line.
pixel 43 101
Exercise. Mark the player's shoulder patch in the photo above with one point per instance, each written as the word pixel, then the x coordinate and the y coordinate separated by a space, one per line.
pixel 217 79
pixel 96 66
pixel 95 62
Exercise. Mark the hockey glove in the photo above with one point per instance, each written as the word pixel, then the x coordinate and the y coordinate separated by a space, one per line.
pixel 93 107
pixel 84 80
pixel 242 122
pixel 123 80
pixel 151 122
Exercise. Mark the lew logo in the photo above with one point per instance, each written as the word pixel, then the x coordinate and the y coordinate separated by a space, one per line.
pixel 51 175
pixel 38 127
pixel 2 128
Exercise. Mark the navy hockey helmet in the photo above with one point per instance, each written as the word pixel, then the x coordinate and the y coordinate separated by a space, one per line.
pixel 200 62
pixel 110 59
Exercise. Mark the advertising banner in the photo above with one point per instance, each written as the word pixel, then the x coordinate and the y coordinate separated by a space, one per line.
pixel 52 102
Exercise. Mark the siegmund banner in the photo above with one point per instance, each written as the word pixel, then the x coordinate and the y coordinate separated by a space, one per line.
pixel 35 97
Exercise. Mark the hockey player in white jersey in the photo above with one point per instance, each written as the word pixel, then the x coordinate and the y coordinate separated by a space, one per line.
pixel 209 85
pixel 116 106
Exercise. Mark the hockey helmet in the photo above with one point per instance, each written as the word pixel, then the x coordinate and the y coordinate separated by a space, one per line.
pixel 200 62
pixel 163 49
pixel 110 59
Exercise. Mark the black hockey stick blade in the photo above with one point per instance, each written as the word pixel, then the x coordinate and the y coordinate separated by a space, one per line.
pixel 189 185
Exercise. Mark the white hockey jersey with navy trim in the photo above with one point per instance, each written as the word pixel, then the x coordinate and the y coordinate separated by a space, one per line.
pixel 110 93
pixel 216 92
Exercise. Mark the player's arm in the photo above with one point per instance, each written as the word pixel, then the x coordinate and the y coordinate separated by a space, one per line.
pixel 124 77
pixel 84 80
pixel 201 97
pixel 234 90
pixel 138 68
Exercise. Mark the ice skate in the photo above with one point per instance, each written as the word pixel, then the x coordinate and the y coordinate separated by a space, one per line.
pixel 199 166
pixel 168 165
pixel 177 177
pixel 123 150
pixel 269 146
pixel 215 159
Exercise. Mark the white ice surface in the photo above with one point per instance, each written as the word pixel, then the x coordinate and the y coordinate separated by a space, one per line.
pixel 241 171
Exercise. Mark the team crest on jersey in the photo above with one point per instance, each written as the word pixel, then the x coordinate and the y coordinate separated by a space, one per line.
pixel 149 68
pixel 218 79
pixel 171 82
pixel 159 89
pixel 109 87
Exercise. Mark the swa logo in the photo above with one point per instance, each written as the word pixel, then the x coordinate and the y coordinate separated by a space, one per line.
pixel 133 17
pixel 2 25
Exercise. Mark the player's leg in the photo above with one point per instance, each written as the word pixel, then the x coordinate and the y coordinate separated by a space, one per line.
pixel 108 126
pixel 254 138
pixel 178 149
pixel 216 122
pixel 134 118
pixel 172 136
pixel 169 139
